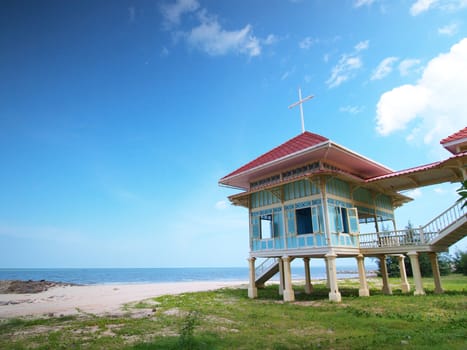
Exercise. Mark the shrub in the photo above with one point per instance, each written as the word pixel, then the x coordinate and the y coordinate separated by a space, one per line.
pixel 460 262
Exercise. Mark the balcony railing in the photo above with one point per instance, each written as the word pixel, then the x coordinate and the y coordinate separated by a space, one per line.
pixel 414 236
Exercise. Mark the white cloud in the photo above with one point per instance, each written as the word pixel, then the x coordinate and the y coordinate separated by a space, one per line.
pixel 359 3
pixel 270 40
pixel 440 191
pixel 384 68
pixel 362 45
pixel 347 66
pixel 164 52
pixel 396 108
pixel 287 74
pixel 421 6
pixel 435 106
pixel 449 29
pixel 306 43
pixel 221 205
pixel 173 12
pixel 415 193
pixel 211 38
pixel 351 109
pixel 406 66
pixel 344 70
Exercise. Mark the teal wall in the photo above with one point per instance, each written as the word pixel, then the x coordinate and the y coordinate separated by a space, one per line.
pixel 299 189
pixel 343 218
pixel 263 199
pixel 338 188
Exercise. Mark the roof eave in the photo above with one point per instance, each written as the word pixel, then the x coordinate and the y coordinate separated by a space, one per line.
pixel 225 180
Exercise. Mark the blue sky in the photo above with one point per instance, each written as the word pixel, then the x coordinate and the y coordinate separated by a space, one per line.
pixel 117 118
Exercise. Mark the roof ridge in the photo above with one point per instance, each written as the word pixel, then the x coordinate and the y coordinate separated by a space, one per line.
pixel 293 145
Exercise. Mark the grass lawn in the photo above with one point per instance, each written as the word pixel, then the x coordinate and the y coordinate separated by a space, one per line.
pixel 227 319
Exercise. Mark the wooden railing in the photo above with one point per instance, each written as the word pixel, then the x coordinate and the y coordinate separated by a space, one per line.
pixel 414 236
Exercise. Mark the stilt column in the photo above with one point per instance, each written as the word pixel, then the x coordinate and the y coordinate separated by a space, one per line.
pixel 436 274
pixel 308 285
pixel 327 272
pixel 417 275
pixel 384 274
pixel 334 294
pixel 405 286
pixel 281 276
pixel 289 294
pixel 252 290
pixel 363 291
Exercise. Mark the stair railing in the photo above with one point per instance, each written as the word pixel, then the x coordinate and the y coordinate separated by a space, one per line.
pixel 449 216
pixel 265 266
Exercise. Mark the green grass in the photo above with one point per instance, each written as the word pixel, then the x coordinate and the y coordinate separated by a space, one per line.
pixel 227 319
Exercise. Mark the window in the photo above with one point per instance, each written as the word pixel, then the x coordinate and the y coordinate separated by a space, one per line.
pixel 266 226
pixel 344 220
pixel 304 221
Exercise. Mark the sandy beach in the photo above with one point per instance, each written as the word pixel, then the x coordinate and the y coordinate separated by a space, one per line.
pixel 94 299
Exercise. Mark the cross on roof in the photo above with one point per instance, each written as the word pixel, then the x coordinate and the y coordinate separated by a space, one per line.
pixel 300 103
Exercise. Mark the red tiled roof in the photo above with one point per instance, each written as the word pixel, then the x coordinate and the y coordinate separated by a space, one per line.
pixel 456 136
pixel 298 143
pixel 404 172
pixel 417 169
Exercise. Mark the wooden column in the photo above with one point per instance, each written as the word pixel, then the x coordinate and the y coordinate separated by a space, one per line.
pixel 417 275
pixel 363 291
pixel 384 274
pixel 308 285
pixel 334 294
pixel 405 286
pixel 436 275
pixel 252 290
pixel 289 294
pixel 324 200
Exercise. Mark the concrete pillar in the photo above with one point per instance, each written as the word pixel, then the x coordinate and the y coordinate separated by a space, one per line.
pixel 363 291
pixel 405 286
pixel 417 275
pixel 308 285
pixel 334 294
pixel 289 294
pixel 281 276
pixel 436 275
pixel 384 274
pixel 327 272
pixel 252 290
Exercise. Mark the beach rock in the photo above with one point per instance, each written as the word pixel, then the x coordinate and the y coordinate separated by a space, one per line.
pixel 28 287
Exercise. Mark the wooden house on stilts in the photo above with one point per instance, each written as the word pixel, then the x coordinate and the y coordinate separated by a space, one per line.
pixel 307 198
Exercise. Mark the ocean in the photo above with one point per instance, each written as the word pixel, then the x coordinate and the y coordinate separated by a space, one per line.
pixel 88 276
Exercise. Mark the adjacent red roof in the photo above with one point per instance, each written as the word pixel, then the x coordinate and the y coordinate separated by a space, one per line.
pixel 296 144
pixel 404 172
pixel 461 134
pixel 447 170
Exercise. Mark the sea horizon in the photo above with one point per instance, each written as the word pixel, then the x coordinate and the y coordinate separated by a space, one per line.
pixel 141 275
